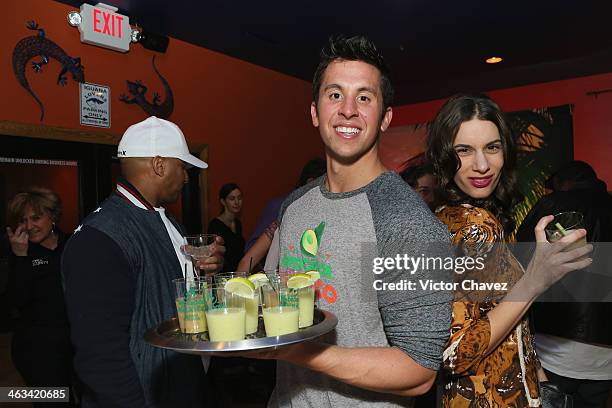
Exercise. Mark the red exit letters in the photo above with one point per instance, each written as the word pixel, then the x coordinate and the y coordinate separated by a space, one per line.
pixel 107 23
pixel 101 25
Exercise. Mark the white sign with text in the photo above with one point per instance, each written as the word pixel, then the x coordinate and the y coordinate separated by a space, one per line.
pixel 95 105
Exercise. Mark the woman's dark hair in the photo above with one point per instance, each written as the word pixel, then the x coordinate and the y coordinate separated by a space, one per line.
pixel 225 190
pixel 445 161
pixel 42 200
pixel 357 48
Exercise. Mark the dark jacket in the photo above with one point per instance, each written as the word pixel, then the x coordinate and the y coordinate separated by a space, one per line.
pixel 118 272
pixel 582 321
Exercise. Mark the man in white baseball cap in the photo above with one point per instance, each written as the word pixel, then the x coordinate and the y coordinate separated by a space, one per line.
pixel 156 137
pixel 118 271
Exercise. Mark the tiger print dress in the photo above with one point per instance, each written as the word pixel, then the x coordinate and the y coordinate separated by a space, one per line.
pixel 506 377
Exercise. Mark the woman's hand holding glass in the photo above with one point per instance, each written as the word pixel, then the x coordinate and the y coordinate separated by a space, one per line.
pixel 552 261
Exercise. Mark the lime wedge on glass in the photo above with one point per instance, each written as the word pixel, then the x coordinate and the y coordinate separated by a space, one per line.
pixel 241 287
pixel 259 279
pixel 299 281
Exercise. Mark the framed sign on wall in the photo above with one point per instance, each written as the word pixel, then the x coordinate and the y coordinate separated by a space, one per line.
pixel 95 108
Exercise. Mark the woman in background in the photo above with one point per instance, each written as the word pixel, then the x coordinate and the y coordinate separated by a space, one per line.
pixel 228 226
pixel 490 360
pixel 41 349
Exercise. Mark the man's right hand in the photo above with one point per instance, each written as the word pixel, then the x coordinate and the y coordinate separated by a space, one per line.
pixel 213 263
pixel 18 240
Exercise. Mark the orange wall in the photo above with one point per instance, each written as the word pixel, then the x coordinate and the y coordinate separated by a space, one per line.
pixel 254 120
pixel 592 115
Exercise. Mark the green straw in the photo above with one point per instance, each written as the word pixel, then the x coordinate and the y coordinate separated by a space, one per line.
pixel 561 229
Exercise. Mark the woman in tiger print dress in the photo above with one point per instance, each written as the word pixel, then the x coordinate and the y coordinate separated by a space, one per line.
pixel 490 360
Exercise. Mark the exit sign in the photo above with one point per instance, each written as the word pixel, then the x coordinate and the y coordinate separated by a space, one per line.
pixel 101 25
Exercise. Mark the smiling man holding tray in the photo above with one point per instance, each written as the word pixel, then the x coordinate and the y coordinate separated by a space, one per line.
pixel 388 344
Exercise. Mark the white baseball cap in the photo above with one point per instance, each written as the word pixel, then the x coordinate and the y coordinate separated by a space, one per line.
pixel 156 137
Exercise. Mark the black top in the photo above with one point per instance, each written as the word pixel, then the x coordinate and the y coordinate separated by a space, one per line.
pixel 593 202
pixel 578 320
pixel 35 287
pixel 234 242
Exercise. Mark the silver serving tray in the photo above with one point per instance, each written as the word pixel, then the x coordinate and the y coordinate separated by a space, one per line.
pixel 168 335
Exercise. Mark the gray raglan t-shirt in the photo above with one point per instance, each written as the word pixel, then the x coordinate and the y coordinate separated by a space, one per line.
pixel 340 234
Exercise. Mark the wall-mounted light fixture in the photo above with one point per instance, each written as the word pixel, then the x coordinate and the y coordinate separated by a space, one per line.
pixel 74 18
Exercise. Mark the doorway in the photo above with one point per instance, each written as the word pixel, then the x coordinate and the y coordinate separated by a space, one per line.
pixel 80 166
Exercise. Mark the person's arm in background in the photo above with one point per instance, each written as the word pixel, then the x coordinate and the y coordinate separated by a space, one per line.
pixel 21 275
pixel 258 250
pixel 255 254
pixel 100 294
pixel 267 216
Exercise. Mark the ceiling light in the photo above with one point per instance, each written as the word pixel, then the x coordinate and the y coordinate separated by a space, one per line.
pixel 494 60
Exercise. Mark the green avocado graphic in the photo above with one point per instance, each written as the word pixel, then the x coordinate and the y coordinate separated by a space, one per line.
pixel 311 240
pixel 309 243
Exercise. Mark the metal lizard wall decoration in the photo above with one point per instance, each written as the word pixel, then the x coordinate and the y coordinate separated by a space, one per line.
pixel 39 45
pixel 138 91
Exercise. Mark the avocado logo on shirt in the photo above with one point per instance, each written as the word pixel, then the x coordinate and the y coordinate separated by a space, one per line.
pixel 307 258
pixel 311 239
